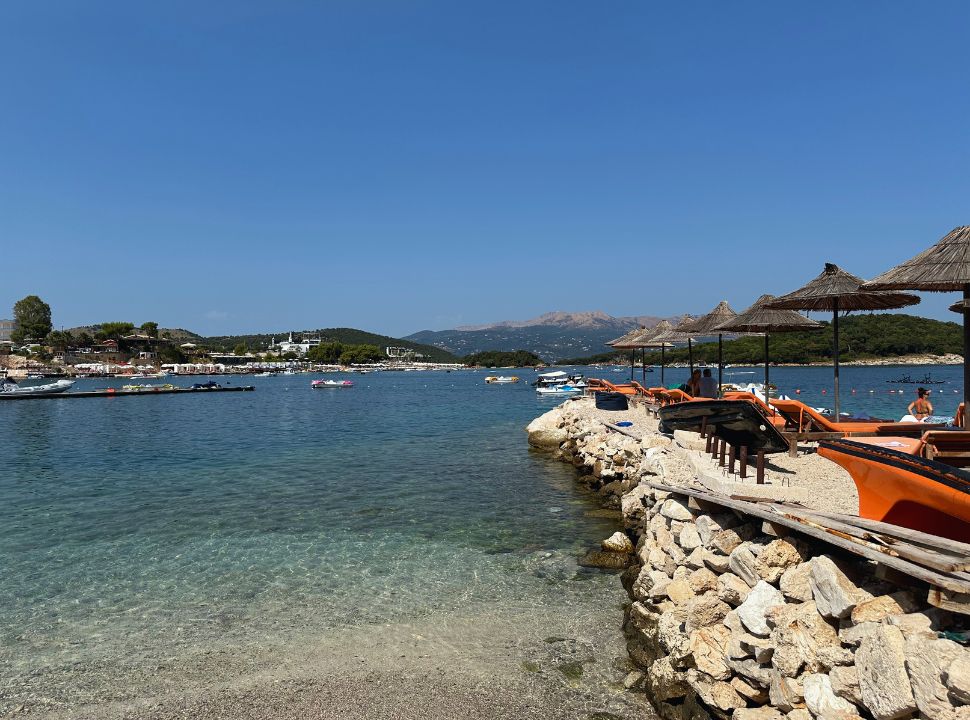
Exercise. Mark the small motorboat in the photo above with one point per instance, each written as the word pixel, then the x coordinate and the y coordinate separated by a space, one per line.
pixel 8 386
pixel 739 422
pixel 899 484
pixel 501 379
pixel 560 377
pixel 553 390
pixel 331 384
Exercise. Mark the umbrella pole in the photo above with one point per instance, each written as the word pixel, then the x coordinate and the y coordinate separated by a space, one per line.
pixel 662 361
pixel 643 366
pixel 767 391
pixel 720 363
pixel 690 355
pixel 966 362
pixel 835 355
pixel 633 360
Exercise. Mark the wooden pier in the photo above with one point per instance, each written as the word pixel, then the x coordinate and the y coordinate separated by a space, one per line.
pixel 111 392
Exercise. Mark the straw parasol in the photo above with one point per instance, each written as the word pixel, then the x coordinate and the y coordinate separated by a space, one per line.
pixel 760 318
pixel 656 338
pixel 835 290
pixel 945 267
pixel 627 342
pixel 707 325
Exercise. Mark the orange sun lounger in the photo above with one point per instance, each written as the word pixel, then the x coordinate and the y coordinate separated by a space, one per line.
pixel 802 418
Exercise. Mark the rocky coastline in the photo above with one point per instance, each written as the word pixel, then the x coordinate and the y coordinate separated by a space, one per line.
pixel 729 617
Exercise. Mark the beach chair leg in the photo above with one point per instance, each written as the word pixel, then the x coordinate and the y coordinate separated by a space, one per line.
pixel 731 459
pixel 723 448
pixel 743 470
pixel 793 446
pixel 710 441
pixel 761 467
pixel 704 427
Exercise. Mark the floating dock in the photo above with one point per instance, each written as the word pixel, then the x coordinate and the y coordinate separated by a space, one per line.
pixel 110 392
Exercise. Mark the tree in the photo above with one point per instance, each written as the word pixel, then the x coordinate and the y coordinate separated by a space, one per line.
pixel 59 340
pixel 33 317
pixel 150 329
pixel 325 353
pixel 115 330
pixel 240 349
pixel 84 340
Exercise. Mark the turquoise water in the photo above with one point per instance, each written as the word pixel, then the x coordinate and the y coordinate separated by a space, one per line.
pixel 156 543
pixel 135 531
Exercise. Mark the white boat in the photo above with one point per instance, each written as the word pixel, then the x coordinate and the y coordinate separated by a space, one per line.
pixel 560 377
pixel 331 384
pixel 560 390
pixel 501 379
pixel 9 387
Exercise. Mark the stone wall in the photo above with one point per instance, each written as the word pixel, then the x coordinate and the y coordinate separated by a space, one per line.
pixel 727 619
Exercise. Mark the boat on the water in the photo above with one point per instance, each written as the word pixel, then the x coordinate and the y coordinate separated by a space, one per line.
pixel 906 481
pixel 567 390
pixel 560 377
pixel 907 380
pixel 331 384
pixel 8 386
pixel 739 422
pixel 501 379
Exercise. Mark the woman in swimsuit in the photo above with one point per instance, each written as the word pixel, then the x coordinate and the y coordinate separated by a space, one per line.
pixel 920 408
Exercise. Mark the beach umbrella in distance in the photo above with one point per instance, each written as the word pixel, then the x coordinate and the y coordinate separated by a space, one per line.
pixel 945 267
pixel 623 343
pixel 760 318
pixel 656 338
pixel 677 334
pixel 707 325
pixel 838 290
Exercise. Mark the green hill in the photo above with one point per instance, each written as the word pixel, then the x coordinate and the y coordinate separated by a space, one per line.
pixel 860 337
pixel 346 336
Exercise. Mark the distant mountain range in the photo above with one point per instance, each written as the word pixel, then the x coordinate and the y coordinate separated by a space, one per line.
pixel 551 336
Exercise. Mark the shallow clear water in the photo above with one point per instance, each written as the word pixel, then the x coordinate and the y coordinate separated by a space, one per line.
pixel 134 530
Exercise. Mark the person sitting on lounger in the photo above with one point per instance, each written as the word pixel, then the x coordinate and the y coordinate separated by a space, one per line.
pixel 920 409
pixel 708 385
pixel 693 384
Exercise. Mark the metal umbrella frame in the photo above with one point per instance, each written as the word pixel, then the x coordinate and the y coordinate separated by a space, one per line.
pixel 944 267
pixel 655 339
pixel 762 319
pixel 840 291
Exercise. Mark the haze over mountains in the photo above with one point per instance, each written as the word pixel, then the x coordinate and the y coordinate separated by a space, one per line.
pixel 552 336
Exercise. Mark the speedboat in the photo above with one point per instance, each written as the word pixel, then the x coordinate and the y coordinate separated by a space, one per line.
pixel 559 377
pixel 9 387
pixel 331 384
pixel 501 379
pixel 560 390
pixel 906 481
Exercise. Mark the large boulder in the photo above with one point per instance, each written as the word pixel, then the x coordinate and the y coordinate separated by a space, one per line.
pixel 707 646
pixel 794 582
pixel 778 556
pixel 884 606
pixel 743 563
pixel 845 683
pixel 883 681
pixel 618 542
pixel 732 589
pixel 705 610
pixel 545 433
pixel 800 637
pixel 958 678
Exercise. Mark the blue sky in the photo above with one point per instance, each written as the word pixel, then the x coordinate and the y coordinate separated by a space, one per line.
pixel 397 166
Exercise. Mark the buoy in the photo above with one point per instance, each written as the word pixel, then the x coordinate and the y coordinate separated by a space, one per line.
pixel 824 391
pixel 798 392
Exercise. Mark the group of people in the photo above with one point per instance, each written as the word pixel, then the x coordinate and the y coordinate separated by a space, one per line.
pixel 701 384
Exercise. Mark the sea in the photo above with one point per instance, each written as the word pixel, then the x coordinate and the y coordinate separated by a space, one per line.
pixel 164 546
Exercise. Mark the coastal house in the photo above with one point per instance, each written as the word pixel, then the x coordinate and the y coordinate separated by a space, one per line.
pixel 289 345
pixel 7 328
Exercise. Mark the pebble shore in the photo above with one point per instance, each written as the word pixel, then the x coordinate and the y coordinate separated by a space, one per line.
pixel 729 618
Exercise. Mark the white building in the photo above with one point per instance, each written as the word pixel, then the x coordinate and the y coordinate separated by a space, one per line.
pixel 300 348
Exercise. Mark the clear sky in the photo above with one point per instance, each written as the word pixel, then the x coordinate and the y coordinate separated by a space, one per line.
pixel 402 165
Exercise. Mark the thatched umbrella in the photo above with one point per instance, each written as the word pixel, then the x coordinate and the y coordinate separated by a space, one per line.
pixel 624 343
pixel 656 340
pixel 945 267
pixel 835 290
pixel 707 325
pixel 759 318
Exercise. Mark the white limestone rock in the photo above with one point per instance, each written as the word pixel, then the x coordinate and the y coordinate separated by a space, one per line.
pixel 778 556
pixel 756 713
pixel 883 606
pixel 650 585
pixel 732 589
pixel 753 610
pixel 742 563
pixel 680 591
pixel 751 693
pixel 794 582
pixel 927 660
pixel 690 539
pixel 618 542
pixel 845 683
pixel 835 595
pixel 958 678
pixel 821 701
pixel 801 637
pixel 707 646
pixel 881 665
pixel 785 693
pixel 695 560
pixel 702 581
pixel 717 563
pixel 676 509
pixel 705 610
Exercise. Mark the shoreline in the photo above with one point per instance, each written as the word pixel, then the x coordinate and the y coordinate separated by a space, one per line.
pixel 734 618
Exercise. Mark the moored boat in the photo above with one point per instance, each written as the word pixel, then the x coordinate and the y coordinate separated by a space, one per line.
pixel 10 387
pixel 897 484
pixel 501 379
pixel 560 390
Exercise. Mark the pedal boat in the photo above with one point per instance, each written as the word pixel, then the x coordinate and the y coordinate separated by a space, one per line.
pixel 899 483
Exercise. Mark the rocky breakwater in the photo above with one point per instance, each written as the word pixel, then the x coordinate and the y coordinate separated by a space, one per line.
pixel 729 619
